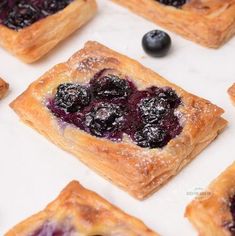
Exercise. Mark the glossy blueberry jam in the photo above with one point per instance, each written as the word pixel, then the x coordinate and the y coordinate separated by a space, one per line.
pixel 18 14
pixel 173 3
pixel 110 106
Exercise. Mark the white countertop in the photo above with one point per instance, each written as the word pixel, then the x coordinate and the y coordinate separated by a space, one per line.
pixel 33 171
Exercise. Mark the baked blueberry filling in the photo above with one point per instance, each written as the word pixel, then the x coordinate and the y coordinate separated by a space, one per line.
pixel 173 3
pixel 231 225
pixel 18 14
pixel 110 106
pixel 54 229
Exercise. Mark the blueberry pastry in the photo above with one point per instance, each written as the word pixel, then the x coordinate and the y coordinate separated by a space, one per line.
pixel 31 28
pixel 3 88
pixel 120 118
pixel 231 93
pixel 207 22
pixel 213 213
pixel 78 211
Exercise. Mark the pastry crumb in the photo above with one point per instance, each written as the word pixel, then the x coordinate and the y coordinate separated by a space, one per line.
pixel 3 88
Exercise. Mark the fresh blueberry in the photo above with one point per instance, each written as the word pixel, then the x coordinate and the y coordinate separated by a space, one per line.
pixel 72 97
pixel 156 43
pixel 151 136
pixel 173 3
pixel 110 86
pixel 104 117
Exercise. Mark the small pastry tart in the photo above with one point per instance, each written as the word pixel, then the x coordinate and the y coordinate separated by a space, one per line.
pixel 213 213
pixel 79 211
pixel 30 29
pixel 208 22
pixel 121 119
pixel 231 93
pixel 3 88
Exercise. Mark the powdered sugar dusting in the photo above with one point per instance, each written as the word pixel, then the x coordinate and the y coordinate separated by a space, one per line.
pixel 89 63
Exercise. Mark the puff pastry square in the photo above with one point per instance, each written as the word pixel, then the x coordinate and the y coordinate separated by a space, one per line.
pixel 139 170
pixel 3 88
pixel 78 211
pixel 208 22
pixel 34 41
pixel 213 213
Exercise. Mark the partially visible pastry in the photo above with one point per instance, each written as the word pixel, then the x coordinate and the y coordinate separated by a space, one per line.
pixel 78 211
pixel 231 92
pixel 210 23
pixel 3 88
pixel 213 212
pixel 30 29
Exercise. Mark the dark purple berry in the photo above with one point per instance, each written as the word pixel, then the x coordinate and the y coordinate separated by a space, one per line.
pixel 152 109
pixel 151 136
pixel 110 86
pixel 103 118
pixel 72 97
pixel 21 15
pixel 53 6
pixel 169 96
pixel 156 43
pixel 173 3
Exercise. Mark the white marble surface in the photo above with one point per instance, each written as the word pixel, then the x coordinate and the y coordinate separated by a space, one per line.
pixel 33 171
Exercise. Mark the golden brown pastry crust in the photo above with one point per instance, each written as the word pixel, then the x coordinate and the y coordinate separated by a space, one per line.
pixel 140 171
pixel 87 212
pixel 231 93
pixel 207 22
pixel 211 214
pixel 3 88
pixel 33 42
